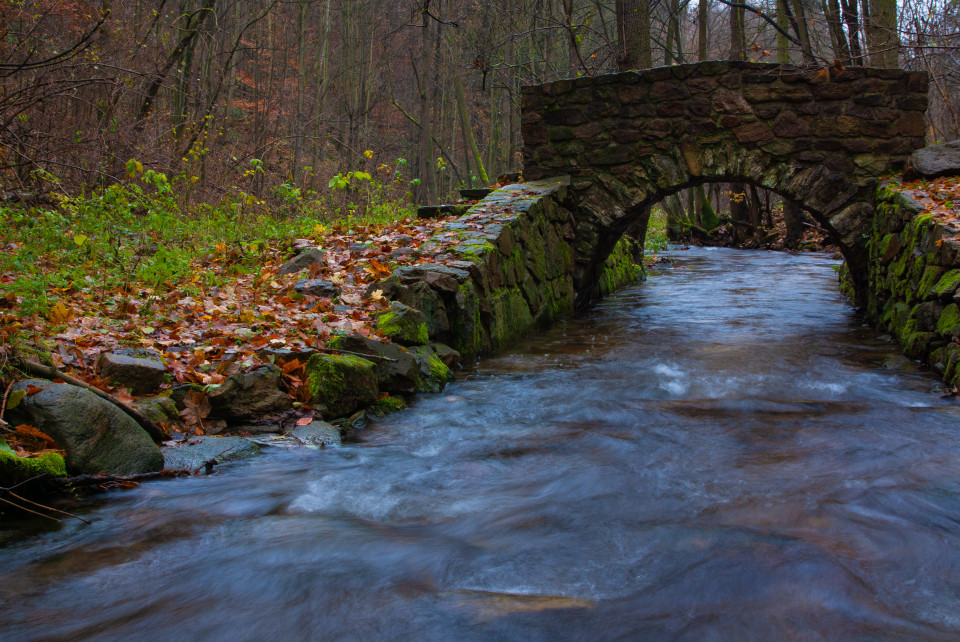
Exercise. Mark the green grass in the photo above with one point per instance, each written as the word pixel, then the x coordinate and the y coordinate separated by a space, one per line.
pixel 656 239
pixel 135 235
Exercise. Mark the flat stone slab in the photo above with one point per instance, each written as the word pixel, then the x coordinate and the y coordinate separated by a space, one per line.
pixel 316 287
pixel 308 257
pixel 934 161
pixel 140 370
pixel 195 452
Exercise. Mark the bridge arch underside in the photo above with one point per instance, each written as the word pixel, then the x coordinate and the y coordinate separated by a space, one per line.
pixel 629 140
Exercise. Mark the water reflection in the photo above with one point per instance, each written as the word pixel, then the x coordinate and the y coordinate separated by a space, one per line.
pixel 715 454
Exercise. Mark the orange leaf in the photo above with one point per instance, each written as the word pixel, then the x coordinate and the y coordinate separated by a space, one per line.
pixel 32 389
pixel 304 421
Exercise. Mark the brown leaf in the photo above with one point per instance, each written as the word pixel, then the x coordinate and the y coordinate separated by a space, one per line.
pixel 32 389
pixel 304 421
pixel 196 408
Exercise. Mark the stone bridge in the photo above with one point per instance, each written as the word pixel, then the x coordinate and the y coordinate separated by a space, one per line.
pixel 628 140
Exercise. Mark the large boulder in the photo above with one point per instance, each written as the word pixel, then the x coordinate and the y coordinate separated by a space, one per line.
pixel 250 395
pixel 97 436
pixel 341 383
pixel 933 161
pixel 397 370
pixel 138 369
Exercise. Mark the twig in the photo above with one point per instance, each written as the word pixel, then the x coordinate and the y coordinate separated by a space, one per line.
pixel 96 480
pixel 156 432
pixel 24 508
pixel 3 407
pixel 54 510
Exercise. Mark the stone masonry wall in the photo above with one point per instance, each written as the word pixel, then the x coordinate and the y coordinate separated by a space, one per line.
pixel 628 140
pixel 914 281
pixel 502 270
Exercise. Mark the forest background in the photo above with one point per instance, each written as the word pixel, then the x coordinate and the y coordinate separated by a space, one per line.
pixel 139 139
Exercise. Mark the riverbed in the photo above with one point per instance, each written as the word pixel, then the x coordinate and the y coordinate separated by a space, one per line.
pixel 721 452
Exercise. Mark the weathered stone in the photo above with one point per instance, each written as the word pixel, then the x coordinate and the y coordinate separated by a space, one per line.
pixel 316 287
pixel 449 356
pixel 249 395
pixel 203 452
pixel 317 433
pixel 97 436
pixel 341 383
pixel 404 325
pixel 933 162
pixel 434 373
pixel 436 275
pixel 307 258
pixel 397 370
pixel 789 125
pixel 140 370
pixel 158 409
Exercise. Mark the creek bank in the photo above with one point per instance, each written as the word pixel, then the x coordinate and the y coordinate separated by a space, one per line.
pixel 501 271
pixel 914 280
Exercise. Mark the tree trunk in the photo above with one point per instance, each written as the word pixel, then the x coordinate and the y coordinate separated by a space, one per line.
pixel 793 223
pixel 883 39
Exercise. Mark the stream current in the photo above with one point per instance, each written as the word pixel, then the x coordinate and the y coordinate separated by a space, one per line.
pixel 722 452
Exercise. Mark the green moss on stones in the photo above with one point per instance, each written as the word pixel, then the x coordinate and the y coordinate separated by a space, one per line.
pixel 387 405
pixel 15 470
pixel 949 322
pixel 341 383
pixel 619 269
pixel 931 276
pixel 510 317
pixel 947 285
pixel 404 327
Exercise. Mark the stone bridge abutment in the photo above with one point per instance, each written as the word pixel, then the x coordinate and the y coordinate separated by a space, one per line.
pixel 628 140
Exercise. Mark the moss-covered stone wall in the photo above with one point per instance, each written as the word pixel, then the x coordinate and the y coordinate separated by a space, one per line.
pixel 914 278
pixel 504 269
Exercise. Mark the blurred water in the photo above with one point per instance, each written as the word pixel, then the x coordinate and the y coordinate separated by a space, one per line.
pixel 715 454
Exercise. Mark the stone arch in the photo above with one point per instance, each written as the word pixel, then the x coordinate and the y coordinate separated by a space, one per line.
pixel 628 140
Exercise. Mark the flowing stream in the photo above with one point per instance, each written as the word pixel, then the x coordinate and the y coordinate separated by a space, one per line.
pixel 723 452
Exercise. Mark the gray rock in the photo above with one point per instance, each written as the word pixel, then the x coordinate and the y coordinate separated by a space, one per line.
pixel 436 275
pixel 97 436
pixel 158 409
pixel 194 453
pixel 308 257
pixel 140 370
pixel 933 161
pixel 449 356
pixel 316 287
pixel 421 296
pixel 397 370
pixel 318 433
pixel 250 395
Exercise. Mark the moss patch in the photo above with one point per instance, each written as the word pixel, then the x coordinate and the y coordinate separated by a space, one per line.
pixel 15 470
pixel 404 324
pixel 341 383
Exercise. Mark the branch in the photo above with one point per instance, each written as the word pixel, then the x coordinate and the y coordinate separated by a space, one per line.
pixel 765 17
pixel 420 127
pixel 77 47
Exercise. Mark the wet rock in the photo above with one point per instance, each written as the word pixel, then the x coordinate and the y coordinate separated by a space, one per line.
pixel 397 370
pixel 249 395
pixel 933 161
pixel 317 433
pixel 316 287
pixel 421 296
pixel 404 325
pixel 97 436
pixel 194 453
pixel 308 257
pixel 341 383
pixel 140 370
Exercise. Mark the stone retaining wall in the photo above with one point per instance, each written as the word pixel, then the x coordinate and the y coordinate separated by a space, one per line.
pixel 914 279
pixel 503 270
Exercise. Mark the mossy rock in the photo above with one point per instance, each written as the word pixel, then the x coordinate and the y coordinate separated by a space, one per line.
pixel 387 405
pixel 16 470
pixel 947 286
pixel 434 374
pixel 341 383
pixel 404 324
pixel 949 322
pixel 931 278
